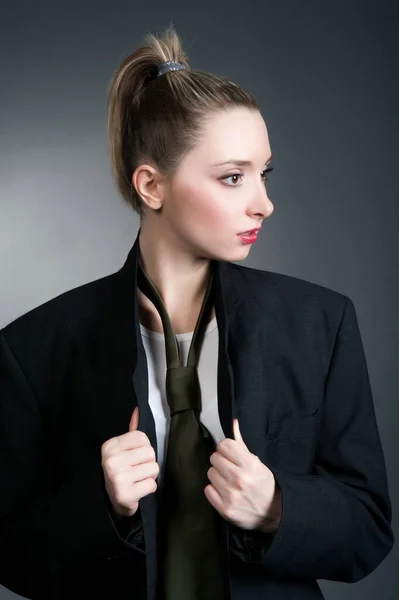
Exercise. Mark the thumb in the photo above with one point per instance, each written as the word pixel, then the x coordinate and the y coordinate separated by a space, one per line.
pixel 134 419
pixel 237 432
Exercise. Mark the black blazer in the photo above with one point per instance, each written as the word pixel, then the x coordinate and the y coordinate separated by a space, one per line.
pixel 291 368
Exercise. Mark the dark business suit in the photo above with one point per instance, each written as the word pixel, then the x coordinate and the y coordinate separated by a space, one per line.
pixel 291 368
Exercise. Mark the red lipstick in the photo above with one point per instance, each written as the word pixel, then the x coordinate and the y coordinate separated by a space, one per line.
pixel 249 238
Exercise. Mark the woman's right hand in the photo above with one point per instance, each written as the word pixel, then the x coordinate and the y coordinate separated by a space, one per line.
pixel 130 468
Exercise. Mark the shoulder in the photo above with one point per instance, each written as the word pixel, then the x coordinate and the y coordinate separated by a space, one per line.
pixel 251 281
pixel 301 311
pixel 62 313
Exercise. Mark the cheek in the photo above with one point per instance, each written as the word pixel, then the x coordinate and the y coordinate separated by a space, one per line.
pixel 204 207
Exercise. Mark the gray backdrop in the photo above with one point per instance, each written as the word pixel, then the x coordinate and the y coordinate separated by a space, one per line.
pixel 326 76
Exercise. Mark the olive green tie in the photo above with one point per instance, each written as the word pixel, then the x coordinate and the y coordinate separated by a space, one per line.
pixel 190 542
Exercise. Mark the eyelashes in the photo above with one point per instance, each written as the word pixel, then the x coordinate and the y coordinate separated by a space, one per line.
pixel 240 174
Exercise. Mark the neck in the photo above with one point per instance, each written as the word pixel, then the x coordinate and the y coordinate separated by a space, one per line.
pixel 181 280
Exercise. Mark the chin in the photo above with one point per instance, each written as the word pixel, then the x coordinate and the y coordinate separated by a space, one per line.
pixel 242 253
pixel 234 255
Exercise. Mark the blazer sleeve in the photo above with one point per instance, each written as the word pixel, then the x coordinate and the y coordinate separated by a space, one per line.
pixel 336 522
pixel 47 526
pixel 129 528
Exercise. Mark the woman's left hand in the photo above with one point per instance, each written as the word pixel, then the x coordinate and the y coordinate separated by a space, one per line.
pixel 243 489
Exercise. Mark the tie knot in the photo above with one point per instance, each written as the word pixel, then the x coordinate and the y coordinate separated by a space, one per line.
pixel 183 389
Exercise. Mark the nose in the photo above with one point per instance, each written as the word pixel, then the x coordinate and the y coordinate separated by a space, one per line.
pixel 263 205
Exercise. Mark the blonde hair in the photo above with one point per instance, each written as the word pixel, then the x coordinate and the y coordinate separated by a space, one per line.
pixel 158 120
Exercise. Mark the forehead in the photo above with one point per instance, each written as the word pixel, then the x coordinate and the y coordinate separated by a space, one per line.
pixel 238 133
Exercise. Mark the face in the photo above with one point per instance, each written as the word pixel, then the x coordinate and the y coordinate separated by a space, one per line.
pixel 205 205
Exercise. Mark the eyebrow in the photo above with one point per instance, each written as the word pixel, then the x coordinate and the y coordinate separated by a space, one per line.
pixel 238 162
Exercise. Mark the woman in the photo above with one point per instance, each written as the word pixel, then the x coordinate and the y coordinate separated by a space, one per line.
pixel 266 450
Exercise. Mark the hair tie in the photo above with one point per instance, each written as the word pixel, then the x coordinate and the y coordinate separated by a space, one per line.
pixel 169 65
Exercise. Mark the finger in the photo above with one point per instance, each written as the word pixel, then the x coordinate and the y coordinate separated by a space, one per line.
pixel 234 450
pixel 237 432
pixel 214 498
pixel 224 466
pixel 134 420
pixel 218 481
pixel 126 441
pixel 126 461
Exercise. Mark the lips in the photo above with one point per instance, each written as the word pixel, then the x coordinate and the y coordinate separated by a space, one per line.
pixel 251 231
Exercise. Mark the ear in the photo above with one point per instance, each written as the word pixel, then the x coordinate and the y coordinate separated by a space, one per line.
pixel 149 184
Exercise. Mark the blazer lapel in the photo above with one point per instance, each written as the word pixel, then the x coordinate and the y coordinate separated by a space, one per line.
pixel 129 379
pixel 130 349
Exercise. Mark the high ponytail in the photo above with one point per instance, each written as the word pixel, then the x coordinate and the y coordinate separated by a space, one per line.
pixel 157 120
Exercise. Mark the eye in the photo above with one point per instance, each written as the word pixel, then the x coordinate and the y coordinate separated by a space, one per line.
pixel 268 170
pixel 230 177
pixel 263 175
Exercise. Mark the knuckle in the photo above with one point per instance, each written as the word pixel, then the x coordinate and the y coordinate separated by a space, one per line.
pixel 107 446
pixel 106 464
pixel 229 512
pixel 147 440
pixel 110 464
pixel 240 482
pixel 119 497
pixel 142 438
pixel 118 484
pixel 230 500
pixel 223 443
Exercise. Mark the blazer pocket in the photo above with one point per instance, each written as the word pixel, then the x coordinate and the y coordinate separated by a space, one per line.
pixel 291 427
